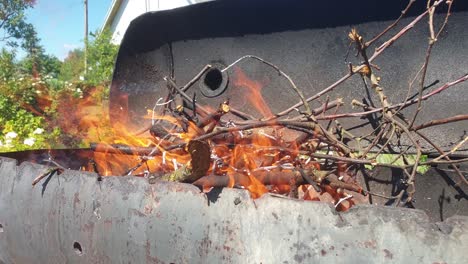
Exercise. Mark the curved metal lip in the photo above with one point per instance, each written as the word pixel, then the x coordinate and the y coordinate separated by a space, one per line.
pixel 224 18
pixel 123 219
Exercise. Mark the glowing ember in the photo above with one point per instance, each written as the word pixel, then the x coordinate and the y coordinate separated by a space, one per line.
pixel 256 158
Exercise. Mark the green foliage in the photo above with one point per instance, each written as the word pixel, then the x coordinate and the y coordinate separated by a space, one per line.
pixel 400 160
pixel 22 122
pixel 101 58
pixel 21 130
pixel 12 20
pixel 14 85
pixel 45 103
pixel 7 65
pixel 43 64
pixel 36 61
pixel 73 66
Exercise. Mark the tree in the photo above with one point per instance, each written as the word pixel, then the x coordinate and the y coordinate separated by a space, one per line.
pixel 72 67
pixel 36 61
pixel 32 47
pixel 7 65
pixel 44 64
pixel 12 19
pixel 101 58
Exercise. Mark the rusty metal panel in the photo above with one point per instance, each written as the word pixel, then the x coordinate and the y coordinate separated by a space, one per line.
pixel 74 219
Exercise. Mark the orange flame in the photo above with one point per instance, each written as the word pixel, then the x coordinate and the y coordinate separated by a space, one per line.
pixel 244 153
pixel 252 90
pixel 256 188
pixel 87 119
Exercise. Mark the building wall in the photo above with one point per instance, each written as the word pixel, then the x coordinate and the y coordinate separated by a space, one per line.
pixel 130 9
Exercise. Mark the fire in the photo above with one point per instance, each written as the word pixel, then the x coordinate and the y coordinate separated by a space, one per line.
pixel 252 90
pixel 255 159
pixel 87 118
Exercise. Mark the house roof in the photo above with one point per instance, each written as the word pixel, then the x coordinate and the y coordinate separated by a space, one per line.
pixel 111 13
pixel 115 6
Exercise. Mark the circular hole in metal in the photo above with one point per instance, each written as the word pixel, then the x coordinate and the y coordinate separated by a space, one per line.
pixel 78 249
pixel 213 79
pixel 214 82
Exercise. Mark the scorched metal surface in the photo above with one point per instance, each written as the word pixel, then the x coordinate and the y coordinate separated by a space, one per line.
pixel 74 219
pixel 306 39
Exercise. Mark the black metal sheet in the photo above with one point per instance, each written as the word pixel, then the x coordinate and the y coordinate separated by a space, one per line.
pixel 307 39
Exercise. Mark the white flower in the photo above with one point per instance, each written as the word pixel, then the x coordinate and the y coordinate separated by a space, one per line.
pixel 81 78
pixel 21 78
pixel 78 90
pixel 38 131
pixel 1 143
pixel 38 92
pixel 29 141
pixel 11 135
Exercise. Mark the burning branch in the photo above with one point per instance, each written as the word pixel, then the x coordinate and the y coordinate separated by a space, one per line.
pixel 210 148
pixel 49 172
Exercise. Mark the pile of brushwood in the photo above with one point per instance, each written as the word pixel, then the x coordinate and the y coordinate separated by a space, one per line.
pixel 195 144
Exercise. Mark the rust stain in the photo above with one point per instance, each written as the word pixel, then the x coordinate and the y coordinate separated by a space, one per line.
pixel 76 200
pixel 388 254
pixel 205 243
pixel 323 252
pixel 107 224
pixel 137 213
pixel 369 244
pixel 148 209
pixel 149 258
pixel 89 227
pixel 298 258
pixel 152 202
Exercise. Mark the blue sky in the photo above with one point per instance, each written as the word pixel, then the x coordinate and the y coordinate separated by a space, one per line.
pixel 60 23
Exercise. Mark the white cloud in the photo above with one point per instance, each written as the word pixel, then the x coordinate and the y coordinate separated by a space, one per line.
pixel 70 46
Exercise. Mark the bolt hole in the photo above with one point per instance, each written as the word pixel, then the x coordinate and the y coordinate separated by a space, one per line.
pixel 1 228
pixel 78 249
pixel 213 79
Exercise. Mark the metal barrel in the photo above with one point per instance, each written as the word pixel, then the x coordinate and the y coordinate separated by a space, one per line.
pixel 308 40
